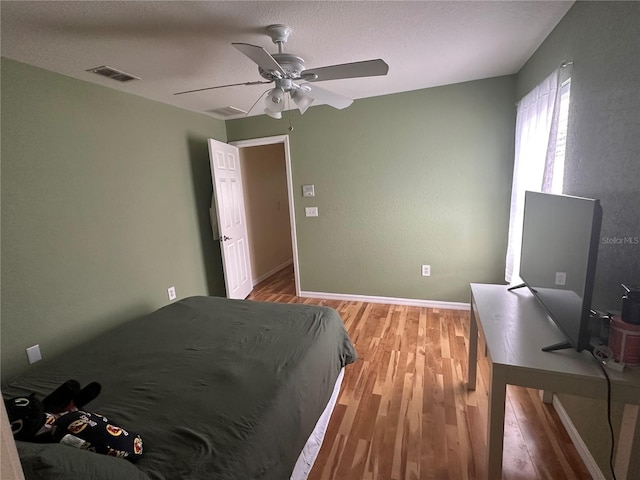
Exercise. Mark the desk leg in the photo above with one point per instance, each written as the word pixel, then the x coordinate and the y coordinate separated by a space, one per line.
pixel 625 440
pixel 495 424
pixel 473 350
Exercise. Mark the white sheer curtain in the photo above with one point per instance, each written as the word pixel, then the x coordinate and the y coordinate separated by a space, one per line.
pixel 535 143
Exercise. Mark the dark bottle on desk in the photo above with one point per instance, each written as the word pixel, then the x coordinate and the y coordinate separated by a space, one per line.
pixel 631 306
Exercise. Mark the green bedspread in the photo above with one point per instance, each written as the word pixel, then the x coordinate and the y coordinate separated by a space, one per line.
pixel 217 388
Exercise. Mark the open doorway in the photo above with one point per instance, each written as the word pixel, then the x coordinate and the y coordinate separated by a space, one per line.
pixel 268 199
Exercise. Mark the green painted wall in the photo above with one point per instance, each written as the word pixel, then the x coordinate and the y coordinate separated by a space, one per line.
pixel 602 159
pixel 402 180
pixel 105 201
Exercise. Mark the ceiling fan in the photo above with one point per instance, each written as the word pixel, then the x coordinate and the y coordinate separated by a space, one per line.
pixel 286 69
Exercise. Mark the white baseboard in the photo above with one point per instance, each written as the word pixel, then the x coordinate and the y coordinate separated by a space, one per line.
pixel 389 300
pixel 273 271
pixel 581 447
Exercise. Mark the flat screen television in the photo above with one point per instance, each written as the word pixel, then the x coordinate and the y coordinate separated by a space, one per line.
pixel 560 238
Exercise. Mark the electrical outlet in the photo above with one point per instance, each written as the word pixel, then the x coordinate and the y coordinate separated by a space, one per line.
pixel 33 353
pixel 311 211
pixel 171 291
pixel 426 270
pixel 561 278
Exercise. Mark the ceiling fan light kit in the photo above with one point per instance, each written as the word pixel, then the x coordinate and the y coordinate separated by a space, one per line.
pixel 276 96
pixel 274 103
pixel 284 69
pixel 301 100
pixel 276 115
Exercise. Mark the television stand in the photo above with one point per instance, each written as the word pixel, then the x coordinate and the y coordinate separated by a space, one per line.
pixel 515 327
pixel 557 346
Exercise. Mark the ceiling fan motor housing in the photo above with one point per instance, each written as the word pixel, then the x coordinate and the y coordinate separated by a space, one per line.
pixel 292 65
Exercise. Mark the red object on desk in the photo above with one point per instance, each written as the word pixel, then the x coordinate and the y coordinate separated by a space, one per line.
pixel 624 341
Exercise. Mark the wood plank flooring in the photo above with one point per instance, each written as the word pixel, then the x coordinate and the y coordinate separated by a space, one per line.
pixel 404 412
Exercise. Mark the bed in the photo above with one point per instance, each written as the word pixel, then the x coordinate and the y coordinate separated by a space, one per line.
pixel 217 388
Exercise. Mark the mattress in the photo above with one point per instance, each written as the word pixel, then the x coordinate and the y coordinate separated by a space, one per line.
pixel 217 388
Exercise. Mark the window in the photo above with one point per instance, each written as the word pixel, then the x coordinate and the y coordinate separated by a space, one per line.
pixel 557 178
pixel 541 132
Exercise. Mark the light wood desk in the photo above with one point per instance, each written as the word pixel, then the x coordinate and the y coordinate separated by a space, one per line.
pixel 515 328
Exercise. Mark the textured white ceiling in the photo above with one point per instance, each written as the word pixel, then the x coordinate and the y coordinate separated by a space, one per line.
pixel 181 45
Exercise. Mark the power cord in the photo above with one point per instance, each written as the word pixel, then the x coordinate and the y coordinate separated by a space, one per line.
pixel 602 355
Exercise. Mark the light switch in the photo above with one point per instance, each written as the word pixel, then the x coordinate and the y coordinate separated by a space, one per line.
pixel 311 211
pixel 308 191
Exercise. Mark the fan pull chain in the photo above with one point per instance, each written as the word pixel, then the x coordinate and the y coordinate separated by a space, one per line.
pixel 289 113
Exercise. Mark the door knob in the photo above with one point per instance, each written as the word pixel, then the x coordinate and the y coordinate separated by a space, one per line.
pixel 225 238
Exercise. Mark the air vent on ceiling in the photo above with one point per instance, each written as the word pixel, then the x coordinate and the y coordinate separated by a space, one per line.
pixel 113 73
pixel 227 112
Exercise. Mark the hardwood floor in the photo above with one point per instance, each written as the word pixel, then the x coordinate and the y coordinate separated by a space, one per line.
pixel 404 412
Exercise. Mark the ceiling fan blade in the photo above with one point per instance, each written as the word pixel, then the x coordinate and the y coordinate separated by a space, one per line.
pixel 325 96
pixel 260 56
pixel 367 68
pixel 221 86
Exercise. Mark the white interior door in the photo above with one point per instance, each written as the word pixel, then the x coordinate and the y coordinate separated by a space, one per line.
pixel 229 200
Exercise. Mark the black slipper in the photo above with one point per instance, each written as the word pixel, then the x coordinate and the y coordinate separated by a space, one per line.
pixel 59 400
pixel 88 393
